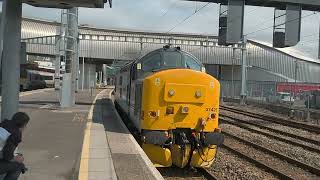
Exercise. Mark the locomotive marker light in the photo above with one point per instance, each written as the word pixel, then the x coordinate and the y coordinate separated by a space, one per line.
pixel 184 109
pixel 153 114
pixel 198 94
pixel 211 84
pixel 170 110
pixel 171 92
pixel 212 115
pixel 139 66
pixel 157 82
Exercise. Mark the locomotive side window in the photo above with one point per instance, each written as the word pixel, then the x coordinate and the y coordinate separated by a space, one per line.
pixel 138 97
pixel 115 84
pixel 191 63
pixel 172 59
pixel 120 81
pixel 152 62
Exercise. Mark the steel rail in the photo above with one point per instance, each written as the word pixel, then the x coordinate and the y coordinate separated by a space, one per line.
pixel 242 125
pixel 300 164
pixel 316 142
pixel 207 174
pixel 304 126
pixel 257 163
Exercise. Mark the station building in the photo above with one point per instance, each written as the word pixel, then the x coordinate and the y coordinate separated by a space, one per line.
pixel 266 65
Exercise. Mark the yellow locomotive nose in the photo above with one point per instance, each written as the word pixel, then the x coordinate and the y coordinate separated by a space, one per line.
pixel 188 103
pixel 174 105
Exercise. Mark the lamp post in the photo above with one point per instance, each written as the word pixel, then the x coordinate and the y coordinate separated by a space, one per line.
pixel 243 94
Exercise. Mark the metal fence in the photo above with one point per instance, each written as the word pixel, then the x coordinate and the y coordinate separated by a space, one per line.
pixel 255 89
pixel 262 90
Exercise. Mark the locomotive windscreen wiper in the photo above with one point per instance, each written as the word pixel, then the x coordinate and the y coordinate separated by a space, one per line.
pixel 165 68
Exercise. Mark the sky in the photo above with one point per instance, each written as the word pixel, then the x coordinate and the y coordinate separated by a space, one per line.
pixel 163 15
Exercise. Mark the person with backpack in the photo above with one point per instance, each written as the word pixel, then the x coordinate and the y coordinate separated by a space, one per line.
pixel 11 163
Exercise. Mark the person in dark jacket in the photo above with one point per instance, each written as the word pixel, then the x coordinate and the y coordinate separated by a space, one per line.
pixel 11 163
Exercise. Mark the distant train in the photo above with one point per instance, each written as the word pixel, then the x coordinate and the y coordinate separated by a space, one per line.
pixel 32 77
pixel 174 105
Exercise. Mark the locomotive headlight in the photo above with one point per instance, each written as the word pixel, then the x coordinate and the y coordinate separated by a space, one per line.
pixel 170 110
pixel 153 114
pixel 198 94
pixel 184 110
pixel 171 92
pixel 212 115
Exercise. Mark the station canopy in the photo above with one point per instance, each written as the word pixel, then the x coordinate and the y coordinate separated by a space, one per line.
pixel 66 3
pixel 311 5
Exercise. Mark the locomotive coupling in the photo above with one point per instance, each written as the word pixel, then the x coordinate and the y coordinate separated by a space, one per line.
pixel 156 137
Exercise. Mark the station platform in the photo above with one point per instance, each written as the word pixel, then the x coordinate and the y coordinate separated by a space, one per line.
pixel 86 142
pixel 121 155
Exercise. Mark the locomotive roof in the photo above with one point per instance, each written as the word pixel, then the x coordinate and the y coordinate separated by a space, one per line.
pixel 165 48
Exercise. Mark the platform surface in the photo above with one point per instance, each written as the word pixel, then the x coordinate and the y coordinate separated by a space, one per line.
pixel 53 138
pixel 85 142
pixel 128 159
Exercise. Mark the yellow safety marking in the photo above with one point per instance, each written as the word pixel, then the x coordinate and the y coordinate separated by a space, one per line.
pixel 84 161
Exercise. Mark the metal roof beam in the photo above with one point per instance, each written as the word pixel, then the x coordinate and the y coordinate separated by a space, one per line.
pixel 63 4
pixel 310 5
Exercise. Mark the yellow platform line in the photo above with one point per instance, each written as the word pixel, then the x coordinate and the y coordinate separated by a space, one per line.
pixel 84 161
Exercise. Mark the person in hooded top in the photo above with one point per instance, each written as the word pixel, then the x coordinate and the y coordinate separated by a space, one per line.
pixel 11 163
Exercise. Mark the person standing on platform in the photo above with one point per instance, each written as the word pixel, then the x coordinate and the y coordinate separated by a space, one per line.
pixel 11 163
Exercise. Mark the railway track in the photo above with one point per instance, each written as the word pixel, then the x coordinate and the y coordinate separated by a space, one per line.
pixel 173 173
pixel 313 141
pixel 207 174
pixel 278 172
pixel 274 119
pixel 257 163
pixel 268 134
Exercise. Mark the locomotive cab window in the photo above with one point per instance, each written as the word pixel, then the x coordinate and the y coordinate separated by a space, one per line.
pixel 172 59
pixel 151 62
pixel 191 63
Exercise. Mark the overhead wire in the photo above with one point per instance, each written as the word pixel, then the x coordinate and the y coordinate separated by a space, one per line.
pixel 263 29
pixel 162 15
pixel 180 22
pixel 166 12
pixel 247 13
pixel 188 17
pixel 316 35
pixel 202 7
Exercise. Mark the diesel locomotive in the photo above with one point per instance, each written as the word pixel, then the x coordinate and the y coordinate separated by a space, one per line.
pixel 174 105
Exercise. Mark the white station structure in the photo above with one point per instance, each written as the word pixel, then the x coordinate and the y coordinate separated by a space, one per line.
pixel 11 43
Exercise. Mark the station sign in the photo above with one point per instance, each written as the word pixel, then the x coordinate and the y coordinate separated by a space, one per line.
pixel 287 26
pixel 231 22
